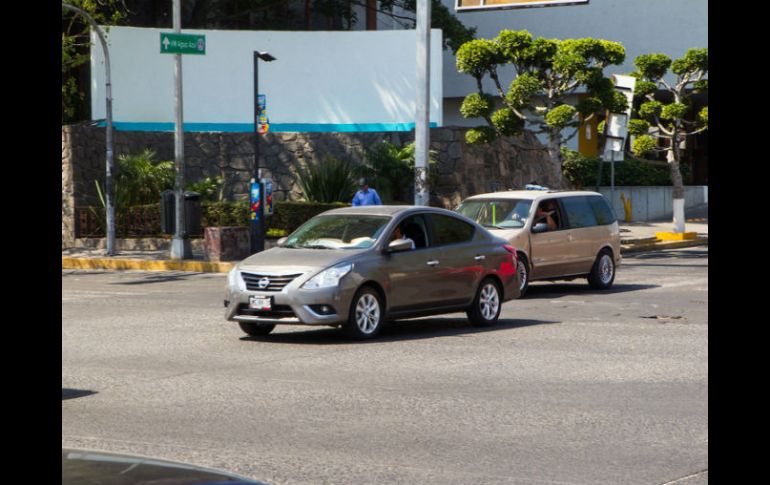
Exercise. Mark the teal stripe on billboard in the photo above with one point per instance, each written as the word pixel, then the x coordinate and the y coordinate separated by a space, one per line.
pixel 274 127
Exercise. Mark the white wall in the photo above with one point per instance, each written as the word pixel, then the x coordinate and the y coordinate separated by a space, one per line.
pixel 354 80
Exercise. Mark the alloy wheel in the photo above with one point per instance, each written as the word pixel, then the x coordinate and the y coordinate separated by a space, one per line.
pixel 489 301
pixel 367 313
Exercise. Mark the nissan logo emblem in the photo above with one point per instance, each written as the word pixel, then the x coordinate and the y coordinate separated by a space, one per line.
pixel 263 282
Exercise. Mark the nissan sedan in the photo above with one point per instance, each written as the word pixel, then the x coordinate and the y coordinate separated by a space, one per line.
pixel 358 267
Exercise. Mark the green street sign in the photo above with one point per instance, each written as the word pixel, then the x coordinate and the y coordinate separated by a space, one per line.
pixel 172 43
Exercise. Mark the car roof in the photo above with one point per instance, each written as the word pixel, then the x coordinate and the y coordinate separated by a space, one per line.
pixel 531 194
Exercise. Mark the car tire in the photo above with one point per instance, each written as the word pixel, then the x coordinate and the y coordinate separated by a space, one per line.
pixel 603 271
pixel 486 305
pixel 255 329
pixel 522 268
pixel 366 316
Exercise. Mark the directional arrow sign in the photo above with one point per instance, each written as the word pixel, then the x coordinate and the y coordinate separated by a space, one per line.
pixel 172 43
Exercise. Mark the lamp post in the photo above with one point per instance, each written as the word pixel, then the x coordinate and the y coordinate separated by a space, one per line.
pixel 110 195
pixel 258 219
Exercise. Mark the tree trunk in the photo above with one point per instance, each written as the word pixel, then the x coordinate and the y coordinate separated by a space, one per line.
pixel 554 154
pixel 678 192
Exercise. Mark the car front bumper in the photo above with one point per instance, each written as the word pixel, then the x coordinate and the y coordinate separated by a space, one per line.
pixel 292 305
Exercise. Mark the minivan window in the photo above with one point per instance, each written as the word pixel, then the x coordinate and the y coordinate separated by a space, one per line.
pixel 579 212
pixel 602 210
pixel 449 230
pixel 497 213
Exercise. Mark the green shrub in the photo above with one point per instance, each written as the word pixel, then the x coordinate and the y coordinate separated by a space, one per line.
pixel 210 189
pixel 328 181
pixel 287 216
pixel 390 171
pixel 582 171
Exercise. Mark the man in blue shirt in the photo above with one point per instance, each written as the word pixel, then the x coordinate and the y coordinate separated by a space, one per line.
pixel 366 196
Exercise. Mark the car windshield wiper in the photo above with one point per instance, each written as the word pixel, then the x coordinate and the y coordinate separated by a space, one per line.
pixel 316 246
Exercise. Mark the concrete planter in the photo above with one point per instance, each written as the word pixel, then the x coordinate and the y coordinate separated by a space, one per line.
pixel 226 243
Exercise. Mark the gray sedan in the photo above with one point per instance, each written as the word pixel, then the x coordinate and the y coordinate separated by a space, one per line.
pixel 357 267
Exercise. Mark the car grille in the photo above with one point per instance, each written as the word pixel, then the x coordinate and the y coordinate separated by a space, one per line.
pixel 277 283
pixel 278 311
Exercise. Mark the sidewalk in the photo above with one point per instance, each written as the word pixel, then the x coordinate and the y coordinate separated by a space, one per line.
pixel 634 237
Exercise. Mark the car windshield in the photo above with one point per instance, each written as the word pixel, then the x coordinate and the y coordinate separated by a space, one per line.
pixel 497 213
pixel 338 231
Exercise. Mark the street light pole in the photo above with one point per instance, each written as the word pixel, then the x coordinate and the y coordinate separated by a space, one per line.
pixel 422 122
pixel 257 231
pixel 110 195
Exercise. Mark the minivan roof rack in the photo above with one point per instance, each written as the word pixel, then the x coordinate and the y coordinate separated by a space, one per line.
pixel 535 187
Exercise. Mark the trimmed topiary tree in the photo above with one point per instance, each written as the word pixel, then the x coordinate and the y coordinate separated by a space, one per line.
pixel 549 72
pixel 659 120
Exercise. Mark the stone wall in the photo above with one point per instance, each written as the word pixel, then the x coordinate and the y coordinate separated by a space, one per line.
pixel 464 170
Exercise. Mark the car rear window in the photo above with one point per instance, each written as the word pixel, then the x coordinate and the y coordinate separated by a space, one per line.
pixel 449 230
pixel 602 210
pixel 579 212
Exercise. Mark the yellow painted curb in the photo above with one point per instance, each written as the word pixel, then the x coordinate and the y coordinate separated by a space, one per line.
pixel 145 265
pixel 675 236
pixel 656 246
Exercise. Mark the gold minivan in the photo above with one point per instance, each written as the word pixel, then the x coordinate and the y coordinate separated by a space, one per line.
pixel 558 234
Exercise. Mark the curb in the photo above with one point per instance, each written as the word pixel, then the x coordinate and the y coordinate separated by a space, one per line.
pixel 647 244
pixel 145 265
pixel 657 245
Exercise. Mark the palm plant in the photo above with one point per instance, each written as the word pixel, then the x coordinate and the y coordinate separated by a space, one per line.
pixel 139 181
pixel 143 178
pixel 331 180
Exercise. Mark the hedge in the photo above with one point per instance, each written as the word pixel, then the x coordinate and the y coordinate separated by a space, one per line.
pixel 582 171
pixel 144 221
pixel 287 216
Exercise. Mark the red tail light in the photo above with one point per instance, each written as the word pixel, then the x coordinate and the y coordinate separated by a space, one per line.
pixel 511 250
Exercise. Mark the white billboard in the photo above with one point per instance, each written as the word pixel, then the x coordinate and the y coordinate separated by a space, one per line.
pixel 320 81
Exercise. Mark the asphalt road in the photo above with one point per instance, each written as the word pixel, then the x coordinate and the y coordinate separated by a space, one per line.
pixel 572 386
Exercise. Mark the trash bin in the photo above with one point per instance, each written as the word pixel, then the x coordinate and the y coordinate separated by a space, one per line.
pixel 192 213
pixel 167 215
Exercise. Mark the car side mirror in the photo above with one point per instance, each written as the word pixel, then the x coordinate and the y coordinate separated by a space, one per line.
pixel 282 240
pixel 540 227
pixel 399 245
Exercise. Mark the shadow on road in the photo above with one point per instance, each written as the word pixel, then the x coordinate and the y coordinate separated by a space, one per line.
pixel 556 290
pixel 692 253
pixel 398 331
pixel 74 393
pixel 159 277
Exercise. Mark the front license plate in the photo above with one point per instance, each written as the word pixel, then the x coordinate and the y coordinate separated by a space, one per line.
pixel 259 302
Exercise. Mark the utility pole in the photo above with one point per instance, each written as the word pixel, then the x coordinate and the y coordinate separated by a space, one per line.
pixel 110 204
pixel 180 244
pixel 422 123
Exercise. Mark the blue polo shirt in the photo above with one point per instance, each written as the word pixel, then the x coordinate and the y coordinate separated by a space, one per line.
pixel 368 197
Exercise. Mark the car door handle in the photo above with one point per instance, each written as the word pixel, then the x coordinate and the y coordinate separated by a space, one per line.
pixel 432 262
pixel 480 258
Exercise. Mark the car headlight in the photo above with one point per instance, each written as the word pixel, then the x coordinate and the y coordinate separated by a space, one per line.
pixel 234 279
pixel 328 277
